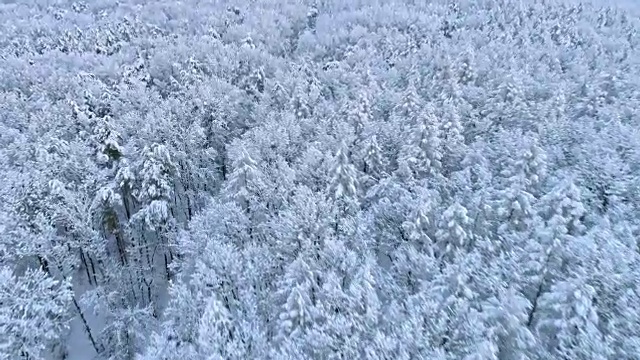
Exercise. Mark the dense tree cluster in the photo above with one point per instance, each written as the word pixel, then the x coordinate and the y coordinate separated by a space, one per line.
pixel 319 179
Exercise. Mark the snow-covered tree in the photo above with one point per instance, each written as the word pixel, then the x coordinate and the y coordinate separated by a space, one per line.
pixel 155 190
pixel 343 186
pixel 422 155
pixel 34 314
pixel 373 161
pixel 241 180
pixel 215 333
pixel 453 233
pixel 568 323
pixel 505 319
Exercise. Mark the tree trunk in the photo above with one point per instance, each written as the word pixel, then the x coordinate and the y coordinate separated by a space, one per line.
pixel 86 266
pixel 86 326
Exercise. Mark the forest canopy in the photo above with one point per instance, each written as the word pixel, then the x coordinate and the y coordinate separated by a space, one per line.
pixel 319 179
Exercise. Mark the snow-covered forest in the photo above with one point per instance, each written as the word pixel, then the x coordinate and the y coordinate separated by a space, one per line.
pixel 319 179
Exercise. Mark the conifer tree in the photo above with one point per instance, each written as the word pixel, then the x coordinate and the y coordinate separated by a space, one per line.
pixel 34 313
pixel 241 182
pixel 422 154
pixel 155 191
pixel 343 186
pixel 373 162
pixel 452 234
pixel 568 323
pixel 407 111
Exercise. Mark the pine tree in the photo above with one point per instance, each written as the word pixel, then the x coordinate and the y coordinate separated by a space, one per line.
pixel 111 198
pixel 453 140
pixel 34 313
pixel 108 141
pixel 155 197
pixel 343 186
pixel 548 256
pixel 352 307
pixel 452 234
pixel 612 270
pixel 155 191
pixel 505 320
pixel 534 166
pixel 241 182
pixel 422 155
pixel 563 209
pixel 299 289
pixel 216 337
pixel 165 346
pixel 516 208
pixel 209 265
pixel 472 186
pixel 358 115
pixel 524 179
pixel 420 229
pixel 126 323
pixel 568 323
pixel 451 297
pixel 176 337
pixel 408 109
pixel 409 268
pixel 301 103
pixel 374 163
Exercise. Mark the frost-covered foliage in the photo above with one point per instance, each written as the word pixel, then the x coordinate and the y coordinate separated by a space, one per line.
pixel 34 319
pixel 302 179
